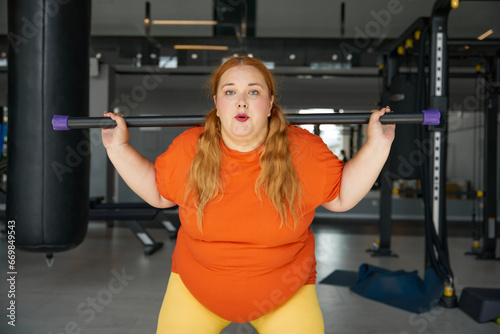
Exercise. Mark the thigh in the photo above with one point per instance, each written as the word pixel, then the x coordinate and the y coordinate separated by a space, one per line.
pixel 181 313
pixel 300 314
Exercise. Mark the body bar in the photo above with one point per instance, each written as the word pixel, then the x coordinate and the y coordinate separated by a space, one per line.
pixel 427 117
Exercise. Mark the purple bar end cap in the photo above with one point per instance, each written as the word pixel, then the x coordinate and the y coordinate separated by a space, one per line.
pixel 431 117
pixel 60 123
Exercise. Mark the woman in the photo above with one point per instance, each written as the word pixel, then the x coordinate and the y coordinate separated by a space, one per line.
pixel 247 185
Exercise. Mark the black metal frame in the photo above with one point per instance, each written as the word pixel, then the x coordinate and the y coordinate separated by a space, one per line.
pixel 488 249
pixel 391 63
pixel 438 98
pixel 436 254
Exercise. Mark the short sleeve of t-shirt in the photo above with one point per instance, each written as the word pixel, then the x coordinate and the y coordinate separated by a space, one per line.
pixel 333 176
pixel 318 162
pixel 172 167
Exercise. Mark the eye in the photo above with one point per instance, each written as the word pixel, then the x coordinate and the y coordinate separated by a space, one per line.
pixel 229 92
pixel 254 92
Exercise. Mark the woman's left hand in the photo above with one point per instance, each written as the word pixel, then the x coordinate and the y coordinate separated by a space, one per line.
pixel 378 132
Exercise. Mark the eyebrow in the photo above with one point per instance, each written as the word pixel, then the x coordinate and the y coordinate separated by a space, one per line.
pixel 250 84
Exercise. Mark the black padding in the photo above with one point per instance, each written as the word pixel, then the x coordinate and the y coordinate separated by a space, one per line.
pixel 48 171
pixel 405 158
pixel 482 304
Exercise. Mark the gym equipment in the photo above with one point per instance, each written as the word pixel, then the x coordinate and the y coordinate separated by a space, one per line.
pixel 432 167
pixel 481 304
pixel 48 183
pixel 400 91
pixel 427 117
pixel 402 96
pixel 490 233
pixel 133 215
pixel 472 194
pixel 400 288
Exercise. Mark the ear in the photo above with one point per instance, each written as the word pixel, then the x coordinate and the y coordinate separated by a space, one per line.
pixel 270 105
pixel 215 103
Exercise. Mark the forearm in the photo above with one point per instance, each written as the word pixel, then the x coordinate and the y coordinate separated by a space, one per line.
pixel 359 175
pixel 138 173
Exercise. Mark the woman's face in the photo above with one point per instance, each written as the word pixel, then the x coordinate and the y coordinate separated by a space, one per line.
pixel 243 107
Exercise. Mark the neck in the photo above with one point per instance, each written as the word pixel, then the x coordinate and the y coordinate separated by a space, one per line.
pixel 243 145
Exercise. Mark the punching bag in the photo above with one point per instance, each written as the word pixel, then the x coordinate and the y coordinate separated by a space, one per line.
pixel 48 171
pixel 405 158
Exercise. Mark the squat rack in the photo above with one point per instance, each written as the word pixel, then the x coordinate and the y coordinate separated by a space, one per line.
pixel 434 186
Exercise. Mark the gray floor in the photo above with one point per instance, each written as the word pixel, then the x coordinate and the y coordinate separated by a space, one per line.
pixel 80 293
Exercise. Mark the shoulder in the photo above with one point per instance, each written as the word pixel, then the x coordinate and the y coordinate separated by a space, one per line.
pixel 299 131
pixel 188 138
pixel 189 135
pixel 308 147
pixel 184 144
pixel 303 138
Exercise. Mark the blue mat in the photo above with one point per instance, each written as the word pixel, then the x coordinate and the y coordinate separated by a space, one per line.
pixel 3 134
pixel 401 289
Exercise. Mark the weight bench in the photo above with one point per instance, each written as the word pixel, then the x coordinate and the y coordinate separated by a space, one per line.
pixel 133 214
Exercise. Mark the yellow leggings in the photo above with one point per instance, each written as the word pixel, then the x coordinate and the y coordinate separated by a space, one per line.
pixel 181 313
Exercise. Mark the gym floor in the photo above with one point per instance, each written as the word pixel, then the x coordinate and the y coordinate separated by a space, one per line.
pixel 107 284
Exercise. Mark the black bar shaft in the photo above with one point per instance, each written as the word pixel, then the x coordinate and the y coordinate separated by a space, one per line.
pixel 167 121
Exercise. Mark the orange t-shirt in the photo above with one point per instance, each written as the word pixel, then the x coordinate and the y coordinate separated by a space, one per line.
pixel 244 265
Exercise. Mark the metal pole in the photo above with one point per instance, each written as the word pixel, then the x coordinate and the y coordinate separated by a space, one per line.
pixel 439 84
pixel 427 117
pixel 488 249
pixel 439 100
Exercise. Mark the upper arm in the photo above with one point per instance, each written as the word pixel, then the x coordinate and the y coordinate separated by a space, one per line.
pixel 164 203
pixel 335 205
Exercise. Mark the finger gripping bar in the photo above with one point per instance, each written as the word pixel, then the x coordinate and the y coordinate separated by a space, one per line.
pixel 426 117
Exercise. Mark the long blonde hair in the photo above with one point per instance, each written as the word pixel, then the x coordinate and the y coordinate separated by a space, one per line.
pixel 277 179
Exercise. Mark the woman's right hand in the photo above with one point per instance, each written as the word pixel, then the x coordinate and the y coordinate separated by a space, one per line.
pixel 117 136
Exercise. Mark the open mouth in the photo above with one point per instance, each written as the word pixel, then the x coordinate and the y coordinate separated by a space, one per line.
pixel 241 117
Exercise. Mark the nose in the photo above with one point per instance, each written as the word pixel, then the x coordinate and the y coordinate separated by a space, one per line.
pixel 242 103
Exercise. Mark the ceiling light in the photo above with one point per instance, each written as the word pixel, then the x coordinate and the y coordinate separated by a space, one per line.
pixel 185 22
pixel 486 34
pixel 201 47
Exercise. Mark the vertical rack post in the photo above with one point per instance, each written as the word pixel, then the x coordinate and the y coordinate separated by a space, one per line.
pixel 488 249
pixel 439 100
